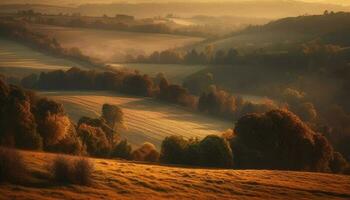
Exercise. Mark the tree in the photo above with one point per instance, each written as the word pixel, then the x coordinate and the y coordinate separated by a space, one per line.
pixel 215 152
pixel 278 139
pixel 113 115
pixel 147 152
pixel 172 150
pixel 122 150
pixel 95 140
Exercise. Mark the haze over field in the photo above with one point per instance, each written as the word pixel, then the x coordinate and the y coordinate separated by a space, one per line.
pixel 153 99
pixel 113 46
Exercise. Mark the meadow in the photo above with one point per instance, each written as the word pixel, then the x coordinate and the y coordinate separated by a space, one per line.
pixel 113 46
pixel 146 119
pixel 116 179
pixel 19 60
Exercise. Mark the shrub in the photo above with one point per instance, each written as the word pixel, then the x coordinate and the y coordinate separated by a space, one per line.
pixel 122 150
pixel 83 170
pixel 72 170
pixel 69 145
pixel 12 167
pixel 338 163
pixel 172 150
pixel 215 152
pixel 61 169
pixel 192 152
pixel 95 140
pixel 147 152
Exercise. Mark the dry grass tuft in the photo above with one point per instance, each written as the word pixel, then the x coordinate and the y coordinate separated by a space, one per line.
pixel 72 171
pixel 12 167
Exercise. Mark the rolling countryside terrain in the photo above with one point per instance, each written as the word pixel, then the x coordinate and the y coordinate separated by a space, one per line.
pixel 19 60
pixel 115 179
pixel 146 120
pixel 113 46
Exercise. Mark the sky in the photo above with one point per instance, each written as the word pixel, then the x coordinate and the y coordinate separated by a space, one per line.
pixel 341 2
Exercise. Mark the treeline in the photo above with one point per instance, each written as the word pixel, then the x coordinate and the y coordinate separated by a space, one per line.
pixel 208 56
pixel 307 56
pixel 217 102
pixel 119 22
pixel 28 121
pixel 276 139
pixel 19 31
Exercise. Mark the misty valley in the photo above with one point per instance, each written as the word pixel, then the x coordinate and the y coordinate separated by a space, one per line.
pixel 237 99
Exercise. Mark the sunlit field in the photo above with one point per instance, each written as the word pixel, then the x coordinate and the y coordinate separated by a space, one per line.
pixel 114 179
pixel 113 46
pixel 146 120
pixel 19 60
pixel 174 73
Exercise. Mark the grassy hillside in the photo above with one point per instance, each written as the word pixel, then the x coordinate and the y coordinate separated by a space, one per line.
pixel 282 34
pixel 19 60
pixel 113 46
pixel 126 180
pixel 146 119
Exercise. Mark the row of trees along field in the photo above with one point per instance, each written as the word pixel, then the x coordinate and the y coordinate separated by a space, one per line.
pixel 119 22
pixel 277 139
pixel 215 102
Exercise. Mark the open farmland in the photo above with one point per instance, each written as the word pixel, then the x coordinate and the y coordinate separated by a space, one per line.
pixel 174 73
pixel 127 180
pixel 146 119
pixel 19 60
pixel 113 46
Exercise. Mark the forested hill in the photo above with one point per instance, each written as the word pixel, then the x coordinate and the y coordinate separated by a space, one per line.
pixel 327 27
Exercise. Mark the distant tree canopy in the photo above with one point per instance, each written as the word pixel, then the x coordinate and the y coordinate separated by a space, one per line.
pixel 230 56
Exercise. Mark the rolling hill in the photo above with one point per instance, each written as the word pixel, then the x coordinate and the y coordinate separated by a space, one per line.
pixel 283 34
pixel 18 60
pixel 115 179
pixel 151 8
pixel 113 46
pixel 146 119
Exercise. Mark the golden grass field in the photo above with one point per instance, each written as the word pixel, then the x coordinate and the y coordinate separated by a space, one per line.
pixel 113 46
pixel 116 179
pixel 147 120
pixel 19 60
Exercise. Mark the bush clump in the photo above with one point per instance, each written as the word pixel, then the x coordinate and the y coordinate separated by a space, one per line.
pixel 122 150
pixel 215 152
pixel 12 166
pixel 212 151
pixel 147 152
pixel 72 171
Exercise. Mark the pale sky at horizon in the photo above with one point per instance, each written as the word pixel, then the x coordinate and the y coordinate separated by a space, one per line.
pixel 340 2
